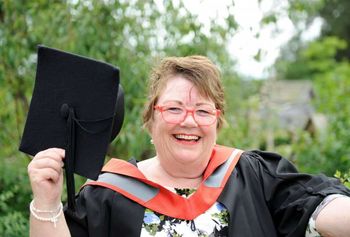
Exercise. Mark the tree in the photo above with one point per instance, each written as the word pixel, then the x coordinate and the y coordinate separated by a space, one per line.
pixel 331 81
pixel 317 62
pixel 322 60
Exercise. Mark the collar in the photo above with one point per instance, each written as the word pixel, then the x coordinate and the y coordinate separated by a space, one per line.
pixel 126 179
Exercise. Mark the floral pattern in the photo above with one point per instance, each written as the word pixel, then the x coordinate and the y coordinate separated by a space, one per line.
pixel 311 229
pixel 212 223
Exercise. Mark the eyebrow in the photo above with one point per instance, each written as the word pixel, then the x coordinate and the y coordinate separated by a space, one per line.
pixel 181 103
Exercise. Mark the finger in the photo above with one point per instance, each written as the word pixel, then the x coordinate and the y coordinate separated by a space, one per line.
pixel 47 163
pixel 55 153
pixel 61 152
pixel 45 174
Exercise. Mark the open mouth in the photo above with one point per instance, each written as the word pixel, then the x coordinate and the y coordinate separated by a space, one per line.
pixel 189 138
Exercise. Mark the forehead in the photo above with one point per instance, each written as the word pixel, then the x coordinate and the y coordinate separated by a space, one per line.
pixel 181 89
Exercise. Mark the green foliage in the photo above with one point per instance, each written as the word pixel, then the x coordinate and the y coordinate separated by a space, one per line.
pixel 330 150
pixel 335 20
pixel 336 23
pixel 268 19
pixel 343 177
pixel 301 10
pixel 241 101
pixel 14 196
pixel 319 56
pixel 14 224
pixel 316 57
pixel 325 61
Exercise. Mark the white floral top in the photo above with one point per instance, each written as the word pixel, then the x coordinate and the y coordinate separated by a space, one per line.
pixel 214 222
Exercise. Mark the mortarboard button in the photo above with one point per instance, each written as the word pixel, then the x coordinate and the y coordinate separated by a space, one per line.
pixel 64 111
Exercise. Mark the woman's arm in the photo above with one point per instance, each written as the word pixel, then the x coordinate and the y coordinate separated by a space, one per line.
pixel 46 179
pixel 334 219
pixel 44 228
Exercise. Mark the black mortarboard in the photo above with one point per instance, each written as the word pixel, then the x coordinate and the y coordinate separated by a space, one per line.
pixel 77 105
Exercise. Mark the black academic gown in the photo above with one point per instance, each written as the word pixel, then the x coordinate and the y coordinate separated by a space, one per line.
pixel 265 196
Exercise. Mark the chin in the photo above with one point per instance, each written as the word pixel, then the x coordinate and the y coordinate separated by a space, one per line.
pixel 187 156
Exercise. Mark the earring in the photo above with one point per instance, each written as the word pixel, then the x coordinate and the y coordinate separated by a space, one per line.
pixel 151 141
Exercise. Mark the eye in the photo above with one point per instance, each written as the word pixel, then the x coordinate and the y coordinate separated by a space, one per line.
pixel 204 112
pixel 174 110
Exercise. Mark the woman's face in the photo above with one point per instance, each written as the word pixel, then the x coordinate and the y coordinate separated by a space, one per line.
pixel 185 142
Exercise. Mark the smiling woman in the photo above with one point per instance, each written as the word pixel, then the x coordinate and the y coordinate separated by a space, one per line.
pixel 183 148
pixel 193 187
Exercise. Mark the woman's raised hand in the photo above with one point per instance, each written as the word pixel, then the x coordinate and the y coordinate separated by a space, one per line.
pixel 46 177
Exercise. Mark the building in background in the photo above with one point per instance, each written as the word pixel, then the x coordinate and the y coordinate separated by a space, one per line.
pixel 286 109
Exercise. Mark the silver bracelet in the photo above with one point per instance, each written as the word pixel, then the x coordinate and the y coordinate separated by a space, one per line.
pixel 56 213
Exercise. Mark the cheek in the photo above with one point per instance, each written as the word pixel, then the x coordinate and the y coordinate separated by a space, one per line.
pixel 211 133
pixel 159 128
pixel 161 137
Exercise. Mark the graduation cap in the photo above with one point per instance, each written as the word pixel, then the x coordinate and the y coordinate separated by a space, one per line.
pixel 77 105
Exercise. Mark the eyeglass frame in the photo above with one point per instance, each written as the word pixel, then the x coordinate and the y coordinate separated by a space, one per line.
pixel 160 108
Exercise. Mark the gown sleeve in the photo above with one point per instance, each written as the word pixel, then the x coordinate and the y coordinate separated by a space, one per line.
pixel 92 212
pixel 103 212
pixel 291 196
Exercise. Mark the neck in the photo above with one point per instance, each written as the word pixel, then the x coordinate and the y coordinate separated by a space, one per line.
pixel 181 178
pixel 175 175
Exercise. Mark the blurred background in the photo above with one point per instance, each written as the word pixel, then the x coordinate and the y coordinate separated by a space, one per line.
pixel 285 67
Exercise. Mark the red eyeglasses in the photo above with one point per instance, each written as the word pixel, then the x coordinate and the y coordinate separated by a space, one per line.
pixel 203 115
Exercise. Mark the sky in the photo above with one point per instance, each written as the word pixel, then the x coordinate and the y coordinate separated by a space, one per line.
pixel 244 45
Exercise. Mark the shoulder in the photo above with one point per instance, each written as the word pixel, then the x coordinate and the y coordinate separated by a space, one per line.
pixel 263 156
pixel 95 193
pixel 272 170
pixel 267 162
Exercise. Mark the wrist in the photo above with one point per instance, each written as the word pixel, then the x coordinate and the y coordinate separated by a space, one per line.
pixel 52 215
pixel 44 204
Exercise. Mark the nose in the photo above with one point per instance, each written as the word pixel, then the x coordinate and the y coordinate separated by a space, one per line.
pixel 189 119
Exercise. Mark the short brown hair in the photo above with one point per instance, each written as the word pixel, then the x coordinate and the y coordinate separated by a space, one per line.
pixel 199 70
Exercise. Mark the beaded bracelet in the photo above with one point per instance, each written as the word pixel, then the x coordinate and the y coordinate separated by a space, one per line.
pixel 52 219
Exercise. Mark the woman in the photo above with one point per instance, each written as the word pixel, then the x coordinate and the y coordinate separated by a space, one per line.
pixel 192 187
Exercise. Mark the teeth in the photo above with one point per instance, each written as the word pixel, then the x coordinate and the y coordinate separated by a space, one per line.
pixel 187 137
